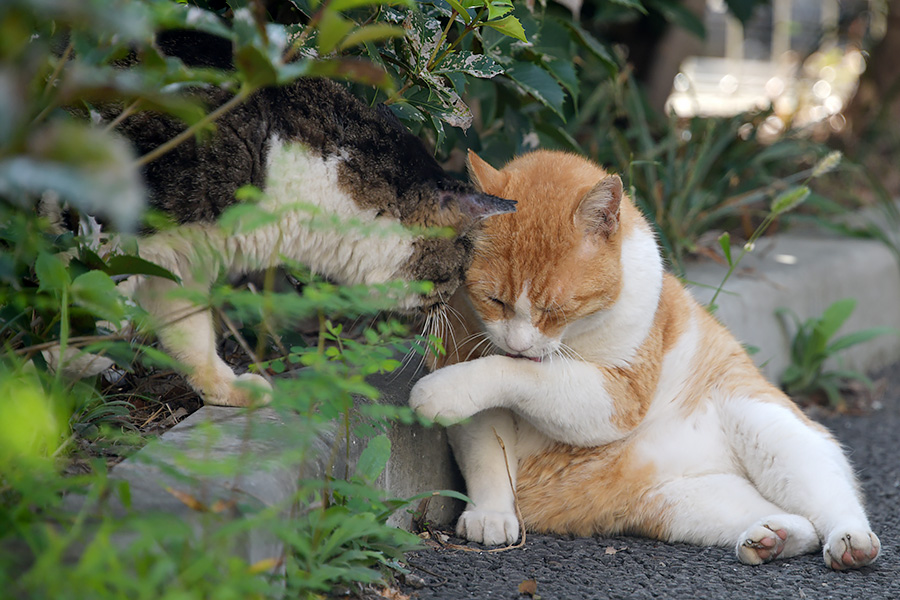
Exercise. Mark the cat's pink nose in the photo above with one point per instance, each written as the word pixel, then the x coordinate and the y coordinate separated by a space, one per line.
pixel 518 346
pixel 519 337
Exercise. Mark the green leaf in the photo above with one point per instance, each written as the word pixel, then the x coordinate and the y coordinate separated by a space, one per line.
pixel 831 391
pixel 124 489
pixel 374 458
pixel 332 29
pixel 350 4
pixel 859 337
pixel 540 84
pixel 633 4
pixel 564 72
pixel 51 272
pixel 374 32
pixel 461 10
pixel 476 65
pixel 591 43
pixel 390 365
pixel 287 73
pixel 407 112
pixel 135 265
pixel 96 292
pixel 676 13
pixel 86 166
pixel 422 35
pixel 498 8
pixel 834 317
pixel 509 26
pixel 725 244
pixel 443 102
pixel 356 69
pixel 439 132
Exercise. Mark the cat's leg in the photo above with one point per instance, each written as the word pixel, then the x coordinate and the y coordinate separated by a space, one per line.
pixel 491 516
pixel 187 332
pixel 799 466
pixel 566 401
pixel 194 253
pixel 726 510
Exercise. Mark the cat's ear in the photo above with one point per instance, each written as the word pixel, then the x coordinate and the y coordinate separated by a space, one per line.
pixel 598 212
pixel 485 177
pixel 467 208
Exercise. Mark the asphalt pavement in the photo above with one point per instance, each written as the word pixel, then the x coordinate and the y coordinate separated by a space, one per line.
pixel 560 568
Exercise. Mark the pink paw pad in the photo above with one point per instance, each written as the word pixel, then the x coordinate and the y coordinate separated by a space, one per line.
pixel 767 547
pixel 858 551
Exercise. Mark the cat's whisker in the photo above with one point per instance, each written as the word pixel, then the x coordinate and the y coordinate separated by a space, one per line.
pixel 457 315
pixel 447 332
pixel 408 358
pixel 572 353
pixel 477 346
pixel 473 336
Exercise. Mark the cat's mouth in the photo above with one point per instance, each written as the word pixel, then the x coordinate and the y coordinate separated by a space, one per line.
pixel 532 358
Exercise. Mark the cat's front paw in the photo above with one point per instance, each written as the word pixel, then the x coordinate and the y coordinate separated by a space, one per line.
pixel 248 389
pixel 778 536
pixel 439 397
pixel 851 549
pixel 489 527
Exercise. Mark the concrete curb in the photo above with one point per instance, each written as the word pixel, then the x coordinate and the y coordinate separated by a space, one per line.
pixel 804 273
pixel 161 479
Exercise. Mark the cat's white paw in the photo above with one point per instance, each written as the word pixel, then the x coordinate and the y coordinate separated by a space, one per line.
pixel 248 389
pixel 778 536
pixel 438 397
pixel 489 527
pixel 851 548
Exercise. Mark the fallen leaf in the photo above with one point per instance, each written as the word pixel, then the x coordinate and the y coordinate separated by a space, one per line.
pixel 528 587
pixel 220 506
pixel 610 550
pixel 414 581
pixel 188 500
pixel 391 594
pixel 264 565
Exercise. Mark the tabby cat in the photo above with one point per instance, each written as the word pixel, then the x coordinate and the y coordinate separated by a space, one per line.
pixel 624 407
pixel 310 142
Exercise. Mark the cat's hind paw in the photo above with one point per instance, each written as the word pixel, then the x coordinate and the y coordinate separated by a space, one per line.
pixel 779 536
pixel 851 549
pixel 488 527
pixel 248 389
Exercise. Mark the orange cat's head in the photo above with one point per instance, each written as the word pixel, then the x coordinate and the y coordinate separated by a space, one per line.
pixel 551 269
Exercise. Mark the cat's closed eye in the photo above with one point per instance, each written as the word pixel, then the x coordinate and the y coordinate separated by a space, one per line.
pixel 497 301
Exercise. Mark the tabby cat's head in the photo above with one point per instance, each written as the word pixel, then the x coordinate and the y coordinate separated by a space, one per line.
pixel 554 267
pixel 443 259
pixel 389 170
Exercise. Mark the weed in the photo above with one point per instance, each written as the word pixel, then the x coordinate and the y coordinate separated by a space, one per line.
pixel 813 346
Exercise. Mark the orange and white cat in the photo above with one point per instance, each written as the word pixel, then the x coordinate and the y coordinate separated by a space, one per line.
pixel 623 405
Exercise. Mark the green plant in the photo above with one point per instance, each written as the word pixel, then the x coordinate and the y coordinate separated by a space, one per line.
pixel 813 346
pixel 783 203
pixel 58 293
pixel 693 176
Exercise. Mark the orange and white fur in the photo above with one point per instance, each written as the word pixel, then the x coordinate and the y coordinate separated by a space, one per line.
pixel 624 407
